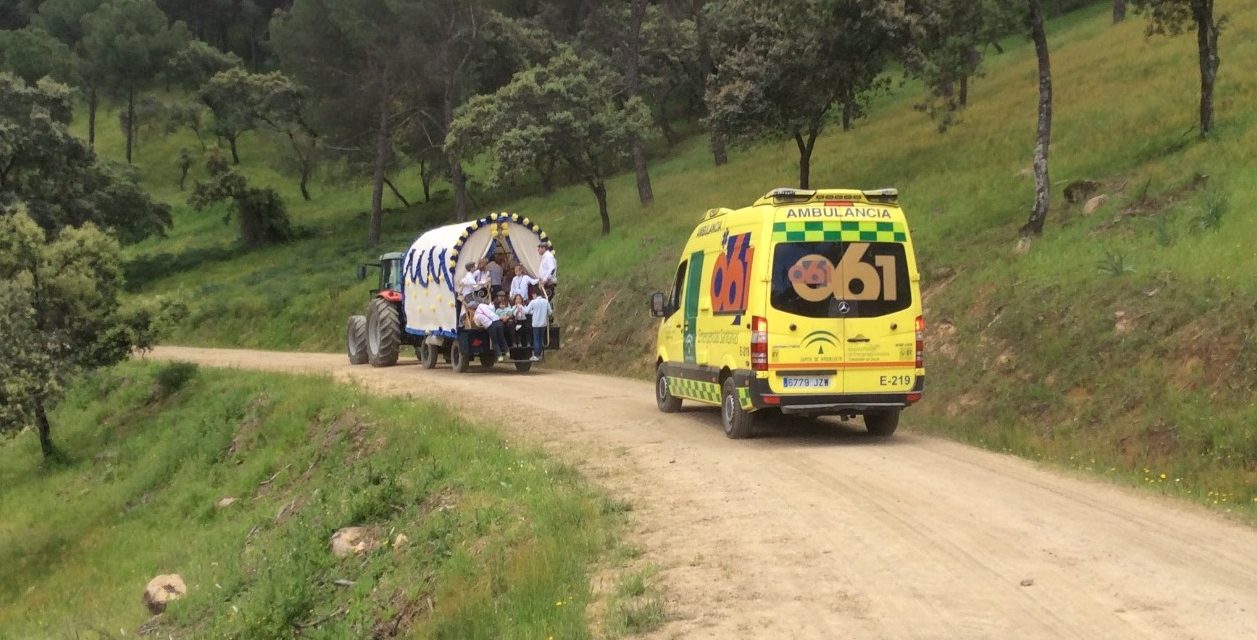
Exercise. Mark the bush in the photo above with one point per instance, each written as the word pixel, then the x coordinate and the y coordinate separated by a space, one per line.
pixel 174 376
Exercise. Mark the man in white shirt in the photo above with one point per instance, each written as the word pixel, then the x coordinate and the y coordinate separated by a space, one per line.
pixel 539 309
pixel 486 318
pixel 548 272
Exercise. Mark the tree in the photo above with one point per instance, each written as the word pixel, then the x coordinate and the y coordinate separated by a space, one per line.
pixel 1043 137
pixel 193 66
pixel 945 49
pixel 567 108
pixel 60 316
pixel 56 175
pixel 1119 11
pixel 621 27
pixel 356 56
pixel 33 53
pixel 281 107
pixel 129 42
pixel 261 213
pixel 233 99
pixel 836 49
pixel 63 19
pixel 1175 17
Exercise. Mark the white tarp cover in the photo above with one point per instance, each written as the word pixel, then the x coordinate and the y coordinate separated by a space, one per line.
pixel 435 263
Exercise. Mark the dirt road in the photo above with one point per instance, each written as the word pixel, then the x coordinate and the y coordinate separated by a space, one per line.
pixel 816 531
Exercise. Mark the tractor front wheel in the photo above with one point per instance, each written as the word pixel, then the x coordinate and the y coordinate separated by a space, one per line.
pixel 356 340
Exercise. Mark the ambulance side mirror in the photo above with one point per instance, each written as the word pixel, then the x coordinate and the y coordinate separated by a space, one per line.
pixel 658 306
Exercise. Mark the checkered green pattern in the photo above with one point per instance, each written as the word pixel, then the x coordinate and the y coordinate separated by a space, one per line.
pixel 744 398
pixel 694 390
pixel 839 231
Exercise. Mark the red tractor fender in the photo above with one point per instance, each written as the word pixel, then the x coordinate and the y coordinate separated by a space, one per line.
pixel 390 295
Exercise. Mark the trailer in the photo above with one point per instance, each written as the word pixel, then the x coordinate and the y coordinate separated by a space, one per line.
pixel 417 304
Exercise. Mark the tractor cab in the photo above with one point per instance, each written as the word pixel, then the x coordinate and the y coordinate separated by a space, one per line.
pixel 390 266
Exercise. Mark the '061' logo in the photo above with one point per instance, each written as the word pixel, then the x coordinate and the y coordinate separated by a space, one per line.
pixel 731 275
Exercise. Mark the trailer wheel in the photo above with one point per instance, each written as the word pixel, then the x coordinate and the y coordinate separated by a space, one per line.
pixel 487 360
pixel 384 333
pixel 458 359
pixel 523 367
pixel 356 340
pixel 881 423
pixel 667 402
pixel 737 422
pixel 427 355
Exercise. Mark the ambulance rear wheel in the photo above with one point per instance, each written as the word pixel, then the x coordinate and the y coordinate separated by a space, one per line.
pixel 738 422
pixel 667 402
pixel 881 423
pixel 458 359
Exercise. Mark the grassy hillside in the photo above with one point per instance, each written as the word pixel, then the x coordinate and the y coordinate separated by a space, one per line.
pixel 1122 341
pixel 500 540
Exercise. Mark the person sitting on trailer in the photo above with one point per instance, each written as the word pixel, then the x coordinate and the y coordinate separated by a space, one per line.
pixel 470 282
pixel 540 311
pixel 488 320
pixel 506 314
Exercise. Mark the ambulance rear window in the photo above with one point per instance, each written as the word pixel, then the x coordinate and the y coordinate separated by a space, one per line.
pixel 840 279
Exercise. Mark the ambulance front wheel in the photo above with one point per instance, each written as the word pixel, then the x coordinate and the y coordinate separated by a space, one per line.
pixel 667 402
pixel 737 421
pixel 881 423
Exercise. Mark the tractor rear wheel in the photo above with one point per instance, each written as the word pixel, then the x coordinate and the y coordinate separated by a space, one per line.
pixel 356 340
pixel 384 333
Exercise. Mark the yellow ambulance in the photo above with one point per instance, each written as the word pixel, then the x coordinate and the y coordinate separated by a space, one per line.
pixel 807 302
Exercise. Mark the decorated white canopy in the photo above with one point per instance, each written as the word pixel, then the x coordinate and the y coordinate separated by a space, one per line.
pixel 436 262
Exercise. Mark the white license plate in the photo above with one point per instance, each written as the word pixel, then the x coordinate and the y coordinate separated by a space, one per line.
pixel 805 382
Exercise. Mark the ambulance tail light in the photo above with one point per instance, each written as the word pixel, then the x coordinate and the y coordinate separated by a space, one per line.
pixel 759 343
pixel 920 342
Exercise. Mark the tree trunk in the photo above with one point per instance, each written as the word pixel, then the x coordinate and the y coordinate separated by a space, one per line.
pixel 599 187
pixel 1207 32
pixel 545 170
pixel 235 155
pixel 425 177
pixel 848 115
pixel 91 119
pixel 964 91
pixel 458 180
pixel 130 121
pixel 632 64
pixel 1119 11
pixel 305 181
pixel 398 194
pixel 718 153
pixel 45 429
pixel 805 155
pixel 377 182
pixel 183 177
pixel 1043 140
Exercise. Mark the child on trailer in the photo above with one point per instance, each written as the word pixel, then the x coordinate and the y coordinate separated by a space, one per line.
pixel 520 321
pixel 539 308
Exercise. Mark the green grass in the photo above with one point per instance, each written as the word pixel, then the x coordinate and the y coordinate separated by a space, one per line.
pixel 497 535
pixel 1026 354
